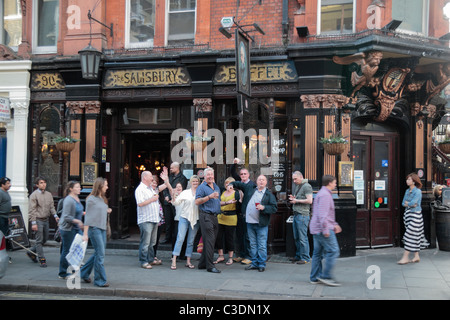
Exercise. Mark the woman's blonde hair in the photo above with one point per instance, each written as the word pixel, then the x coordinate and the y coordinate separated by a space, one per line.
pixel 436 190
pixel 228 180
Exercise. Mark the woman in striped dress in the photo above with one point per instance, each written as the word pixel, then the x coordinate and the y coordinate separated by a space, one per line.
pixel 414 237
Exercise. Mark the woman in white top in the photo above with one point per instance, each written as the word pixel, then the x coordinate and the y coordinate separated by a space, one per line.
pixel 188 219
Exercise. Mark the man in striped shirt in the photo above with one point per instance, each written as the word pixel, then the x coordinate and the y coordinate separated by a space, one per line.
pixel 147 219
pixel 324 227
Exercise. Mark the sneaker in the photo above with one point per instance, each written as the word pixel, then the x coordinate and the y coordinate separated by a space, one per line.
pixel 314 281
pixel 302 262
pixel 329 282
pixel 43 263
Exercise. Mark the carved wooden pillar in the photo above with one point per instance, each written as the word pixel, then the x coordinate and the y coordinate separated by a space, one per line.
pixel 203 121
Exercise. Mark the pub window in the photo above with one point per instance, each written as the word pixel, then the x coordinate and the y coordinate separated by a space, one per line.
pixel 140 23
pixel 296 145
pixel 46 21
pixel 11 31
pixel 147 116
pixel 413 14
pixel 336 16
pixel 181 22
pixel 49 126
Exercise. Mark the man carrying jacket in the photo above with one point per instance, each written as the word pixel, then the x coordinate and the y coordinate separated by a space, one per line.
pixel 258 204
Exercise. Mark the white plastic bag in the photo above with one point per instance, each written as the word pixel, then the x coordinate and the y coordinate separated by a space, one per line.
pixel 76 252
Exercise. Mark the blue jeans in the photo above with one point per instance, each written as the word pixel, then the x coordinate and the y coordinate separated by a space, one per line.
pixel 300 228
pixel 258 244
pixel 98 240
pixel 66 241
pixel 183 226
pixel 149 231
pixel 324 248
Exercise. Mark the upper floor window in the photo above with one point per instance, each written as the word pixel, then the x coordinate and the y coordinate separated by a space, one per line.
pixel 140 23
pixel 45 25
pixel 11 23
pixel 336 16
pixel 181 22
pixel 413 14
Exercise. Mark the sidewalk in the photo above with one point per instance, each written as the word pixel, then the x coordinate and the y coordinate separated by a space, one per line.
pixel 282 280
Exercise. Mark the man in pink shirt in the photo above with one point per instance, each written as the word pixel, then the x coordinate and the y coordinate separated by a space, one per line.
pixel 324 227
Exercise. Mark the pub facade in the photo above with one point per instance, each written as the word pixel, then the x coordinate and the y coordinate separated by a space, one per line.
pixel 322 68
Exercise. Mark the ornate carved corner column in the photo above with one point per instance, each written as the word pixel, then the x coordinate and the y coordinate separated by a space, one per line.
pixel 203 121
pixel 323 118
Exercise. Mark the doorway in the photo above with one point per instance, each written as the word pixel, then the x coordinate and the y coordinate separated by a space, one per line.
pixel 376 175
pixel 139 152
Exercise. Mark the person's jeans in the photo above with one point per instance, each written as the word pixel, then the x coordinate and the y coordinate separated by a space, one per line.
pixel 258 244
pixel 149 231
pixel 98 240
pixel 41 238
pixel 300 228
pixel 324 248
pixel 183 226
pixel 66 241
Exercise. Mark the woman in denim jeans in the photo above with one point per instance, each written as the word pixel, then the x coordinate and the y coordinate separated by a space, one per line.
pixel 188 222
pixel 70 223
pixel 95 228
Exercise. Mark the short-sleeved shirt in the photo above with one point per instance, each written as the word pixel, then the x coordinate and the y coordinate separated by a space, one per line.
pixel 149 212
pixel 212 205
pixel 300 193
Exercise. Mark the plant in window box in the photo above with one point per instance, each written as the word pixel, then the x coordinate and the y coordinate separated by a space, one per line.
pixel 334 144
pixel 444 145
pixel 65 143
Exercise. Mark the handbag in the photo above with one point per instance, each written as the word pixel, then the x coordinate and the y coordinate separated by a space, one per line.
pixel 200 245
pixel 57 235
pixel 76 252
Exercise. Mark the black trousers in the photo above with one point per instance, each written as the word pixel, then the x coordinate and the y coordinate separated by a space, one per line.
pixel 209 227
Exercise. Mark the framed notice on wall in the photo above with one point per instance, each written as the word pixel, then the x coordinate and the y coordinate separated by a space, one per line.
pixel 89 172
pixel 346 169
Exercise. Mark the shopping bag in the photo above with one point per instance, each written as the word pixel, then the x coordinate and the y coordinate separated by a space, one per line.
pixel 76 252
pixel 200 245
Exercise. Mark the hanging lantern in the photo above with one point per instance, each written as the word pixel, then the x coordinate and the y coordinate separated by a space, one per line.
pixel 90 62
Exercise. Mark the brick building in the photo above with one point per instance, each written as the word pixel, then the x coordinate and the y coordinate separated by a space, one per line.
pixel 321 67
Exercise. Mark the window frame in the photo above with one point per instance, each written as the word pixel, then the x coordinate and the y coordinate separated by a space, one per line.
pixel 167 19
pixel 319 20
pixel 43 49
pixel 128 43
pixel 2 24
pixel 425 19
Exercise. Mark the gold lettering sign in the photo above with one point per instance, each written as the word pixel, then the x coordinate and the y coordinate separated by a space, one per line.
pixel 146 77
pixel 47 81
pixel 260 72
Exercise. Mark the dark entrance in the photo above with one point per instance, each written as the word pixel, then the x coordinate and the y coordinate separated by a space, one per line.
pixel 375 154
pixel 139 152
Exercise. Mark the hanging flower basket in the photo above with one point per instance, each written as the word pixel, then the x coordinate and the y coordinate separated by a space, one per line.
pixel 334 144
pixel 65 146
pixel 445 147
pixel 334 148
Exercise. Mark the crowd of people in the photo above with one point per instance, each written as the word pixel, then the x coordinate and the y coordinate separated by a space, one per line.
pixel 234 221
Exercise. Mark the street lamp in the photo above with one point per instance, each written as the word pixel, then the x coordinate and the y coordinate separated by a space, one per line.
pixel 90 62
pixel 89 56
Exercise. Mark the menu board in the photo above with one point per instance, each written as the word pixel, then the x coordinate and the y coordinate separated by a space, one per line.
pixel 18 229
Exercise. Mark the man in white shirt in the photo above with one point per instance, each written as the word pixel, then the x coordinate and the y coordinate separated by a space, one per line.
pixel 147 219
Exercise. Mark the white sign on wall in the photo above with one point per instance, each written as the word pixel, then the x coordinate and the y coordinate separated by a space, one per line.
pixel 5 113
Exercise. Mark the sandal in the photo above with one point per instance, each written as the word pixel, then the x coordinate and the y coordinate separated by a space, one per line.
pixel 156 262
pixel 146 266
pixel 190 266
pixel 173 267
pixel 229 262
pixel 219 261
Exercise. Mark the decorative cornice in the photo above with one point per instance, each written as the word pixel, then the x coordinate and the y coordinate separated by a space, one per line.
pixel 80 107
pixel 327 100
